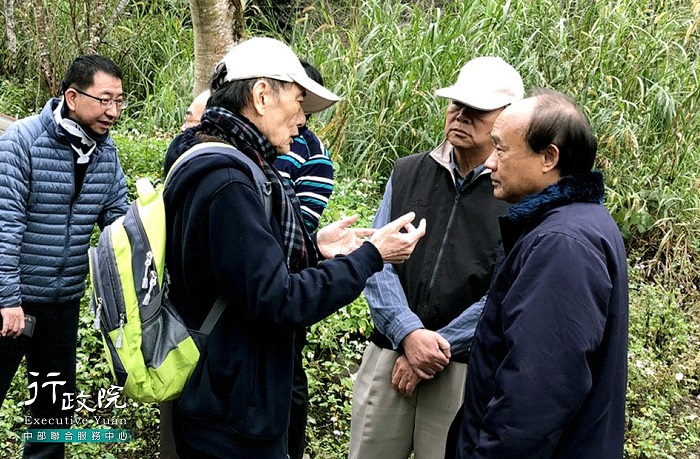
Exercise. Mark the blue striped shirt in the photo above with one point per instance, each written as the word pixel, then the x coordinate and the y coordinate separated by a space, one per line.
pixel 309 169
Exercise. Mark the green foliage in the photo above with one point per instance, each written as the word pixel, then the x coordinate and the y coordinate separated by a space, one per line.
pixel 152 44
pixel 633 66
pixel 664 369
pixel 141 155
pixel 332 357
pixel 158 65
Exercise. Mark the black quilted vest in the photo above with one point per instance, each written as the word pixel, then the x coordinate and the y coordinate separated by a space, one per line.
pixel 452 264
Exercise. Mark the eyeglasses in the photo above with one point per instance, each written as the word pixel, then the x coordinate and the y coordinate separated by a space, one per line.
pixel 471 112
pixel 105 103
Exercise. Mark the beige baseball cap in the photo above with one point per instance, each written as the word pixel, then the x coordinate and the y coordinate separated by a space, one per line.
pixel 266 57
pixel 486 83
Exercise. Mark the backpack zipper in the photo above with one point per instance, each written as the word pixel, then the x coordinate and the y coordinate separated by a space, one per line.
pixel 147 264
pixel 150 274
pixel 122 319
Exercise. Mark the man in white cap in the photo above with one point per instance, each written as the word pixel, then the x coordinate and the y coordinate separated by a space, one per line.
pixel 411 380
pixel 223 242
pixel 309 170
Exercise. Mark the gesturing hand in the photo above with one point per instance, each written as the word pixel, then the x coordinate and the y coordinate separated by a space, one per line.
pixel 396 246
pixel 339 239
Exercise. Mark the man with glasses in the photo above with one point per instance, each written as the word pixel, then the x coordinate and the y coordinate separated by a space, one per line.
pixel 59 175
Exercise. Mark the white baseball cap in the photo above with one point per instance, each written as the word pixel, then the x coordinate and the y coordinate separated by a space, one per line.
pixel 486 83
pixel 266 57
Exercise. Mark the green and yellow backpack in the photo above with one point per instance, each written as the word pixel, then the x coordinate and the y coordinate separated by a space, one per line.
pixel 150 351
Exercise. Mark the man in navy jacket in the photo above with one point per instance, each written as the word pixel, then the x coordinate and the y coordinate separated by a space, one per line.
pixel 275 276
pixel 548 368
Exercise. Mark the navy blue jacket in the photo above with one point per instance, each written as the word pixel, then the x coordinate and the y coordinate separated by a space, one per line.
pixel 236 404
pixel 548 369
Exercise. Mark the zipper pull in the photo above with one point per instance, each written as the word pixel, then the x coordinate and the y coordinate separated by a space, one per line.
pixel 147 264
pixel 151 284
pixel 98 312
pixel 118 344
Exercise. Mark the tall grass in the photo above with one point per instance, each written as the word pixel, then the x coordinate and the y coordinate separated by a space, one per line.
pixel 631 64
pixel 151 43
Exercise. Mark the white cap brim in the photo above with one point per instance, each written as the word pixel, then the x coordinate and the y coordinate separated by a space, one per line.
pixel 317 97
pixel 475 100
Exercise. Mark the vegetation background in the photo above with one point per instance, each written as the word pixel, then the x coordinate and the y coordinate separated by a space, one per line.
pixel 632 64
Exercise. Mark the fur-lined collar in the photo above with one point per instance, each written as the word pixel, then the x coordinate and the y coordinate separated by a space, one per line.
pixel 585 187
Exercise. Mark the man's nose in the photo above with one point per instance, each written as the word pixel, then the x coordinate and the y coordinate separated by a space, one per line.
pixel 301 118
pixel 113 111
pixel 464 114
pixel 491 162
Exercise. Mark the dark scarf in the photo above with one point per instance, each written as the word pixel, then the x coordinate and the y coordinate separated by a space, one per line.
pixel 585 187
pixel 235 129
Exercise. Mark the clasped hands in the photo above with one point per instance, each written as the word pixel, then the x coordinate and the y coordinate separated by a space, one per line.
pixel 425 354
pixel 394 245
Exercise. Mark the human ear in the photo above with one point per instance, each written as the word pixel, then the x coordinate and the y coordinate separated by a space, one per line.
pixel 260 96
pixel 550 158
pixel 70 96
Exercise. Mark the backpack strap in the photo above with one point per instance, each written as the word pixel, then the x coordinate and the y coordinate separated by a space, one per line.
pixel 213 316
pixel 262 184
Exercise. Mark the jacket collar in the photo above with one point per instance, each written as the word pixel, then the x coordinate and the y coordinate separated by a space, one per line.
pixel 587 187
pixel 442 154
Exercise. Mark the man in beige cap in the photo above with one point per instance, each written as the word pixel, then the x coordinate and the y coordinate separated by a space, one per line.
pixel 411 380
pixel 223 243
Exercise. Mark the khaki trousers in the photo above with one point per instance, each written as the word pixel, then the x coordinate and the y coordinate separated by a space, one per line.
pixel 387 426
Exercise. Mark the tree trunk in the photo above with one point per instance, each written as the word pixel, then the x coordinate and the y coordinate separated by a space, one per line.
pixel 10 28
pixel 48 71
pixel 218 25
pixel 101 28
